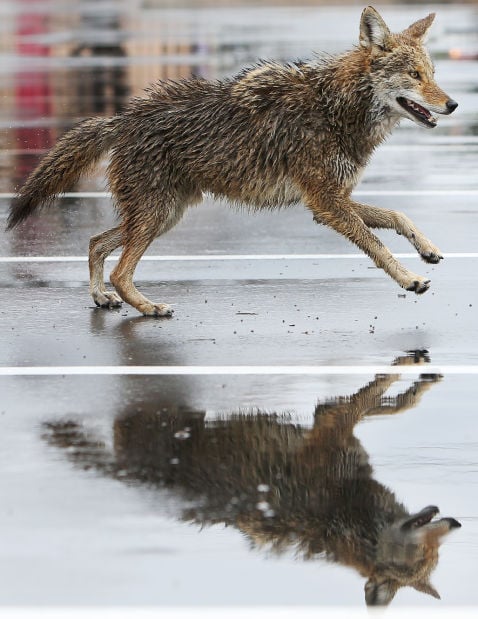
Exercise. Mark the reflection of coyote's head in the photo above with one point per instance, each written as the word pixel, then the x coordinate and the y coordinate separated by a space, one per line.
pixel 282 485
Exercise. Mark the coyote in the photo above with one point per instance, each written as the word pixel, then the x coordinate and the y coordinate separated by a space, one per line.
pixel 272 136
pixel 283 485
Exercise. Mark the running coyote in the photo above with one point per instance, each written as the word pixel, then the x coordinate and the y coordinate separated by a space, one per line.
pixel 274 135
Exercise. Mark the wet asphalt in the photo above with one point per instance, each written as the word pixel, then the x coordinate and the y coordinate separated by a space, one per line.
pixel 273 314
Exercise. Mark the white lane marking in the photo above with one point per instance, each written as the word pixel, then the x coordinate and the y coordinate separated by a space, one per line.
pixel 246 612
pixel 461 144
pixel 416 192
pixel 69 194
pixel 223 257
pixel 234 370
pixel 360 192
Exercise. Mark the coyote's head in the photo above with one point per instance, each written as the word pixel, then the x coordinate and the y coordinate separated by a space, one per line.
pixel 407 553
pixel 401 70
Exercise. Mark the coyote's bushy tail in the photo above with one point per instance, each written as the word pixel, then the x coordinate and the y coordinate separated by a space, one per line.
pixel 73 155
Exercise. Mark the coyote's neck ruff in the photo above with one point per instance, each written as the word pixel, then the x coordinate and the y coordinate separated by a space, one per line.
pixel 329 105
pixel 272 136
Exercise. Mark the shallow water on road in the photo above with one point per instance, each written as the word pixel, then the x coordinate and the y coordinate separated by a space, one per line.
pixel 215 488
pixel 145 482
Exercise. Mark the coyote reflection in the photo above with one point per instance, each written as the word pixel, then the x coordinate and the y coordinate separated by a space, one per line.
pixel 282 485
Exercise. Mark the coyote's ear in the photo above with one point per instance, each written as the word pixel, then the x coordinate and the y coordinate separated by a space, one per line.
pixel 425 586
pixel 419 30
pixel 380 594
pixel 373 30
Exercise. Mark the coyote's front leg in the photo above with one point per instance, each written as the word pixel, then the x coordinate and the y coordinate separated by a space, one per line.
pixel 375 217
pixel 337 211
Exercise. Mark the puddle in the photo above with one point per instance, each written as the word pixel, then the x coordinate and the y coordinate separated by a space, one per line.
pixel 247 490
pixel 303 490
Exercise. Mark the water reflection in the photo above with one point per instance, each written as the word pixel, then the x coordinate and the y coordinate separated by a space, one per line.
pixel 286 487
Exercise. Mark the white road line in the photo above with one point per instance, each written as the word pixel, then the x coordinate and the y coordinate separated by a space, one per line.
pixel 223 257
pixel 235 370
pixel 461 144
pixel 246 612
pixel 360 192
pixel 70 194
pixel 416 192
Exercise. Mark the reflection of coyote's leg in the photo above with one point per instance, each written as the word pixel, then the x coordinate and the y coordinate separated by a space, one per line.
pixel 411 396
pixel 370 400
pixel 408 399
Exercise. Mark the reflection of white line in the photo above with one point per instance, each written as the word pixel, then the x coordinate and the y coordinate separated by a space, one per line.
pixel 222 258
pixel 360 192
pixel 234 370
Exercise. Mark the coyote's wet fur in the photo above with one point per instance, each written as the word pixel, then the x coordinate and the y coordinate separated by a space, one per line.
pixel 272 136
pixel 284 486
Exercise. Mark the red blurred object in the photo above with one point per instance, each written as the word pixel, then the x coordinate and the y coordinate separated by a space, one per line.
pixel 32 88
pixel 458 54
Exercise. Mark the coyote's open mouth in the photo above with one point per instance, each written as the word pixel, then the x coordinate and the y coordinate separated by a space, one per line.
pixel 418 111
pixel 425 516
pixel 426 519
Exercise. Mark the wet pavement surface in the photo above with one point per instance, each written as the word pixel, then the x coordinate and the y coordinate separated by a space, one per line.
pixel 248 450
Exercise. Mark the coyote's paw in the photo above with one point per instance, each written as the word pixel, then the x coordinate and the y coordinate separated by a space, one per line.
pixel 107 299
pixel 419 285
pixel 430 378
pixel 419 356
pixel 432 257
pixel 159 310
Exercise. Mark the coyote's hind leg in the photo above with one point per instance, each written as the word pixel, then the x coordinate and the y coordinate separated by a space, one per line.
pixel 139 228
pixel 375 217
pixel 101 246
pixel 122 277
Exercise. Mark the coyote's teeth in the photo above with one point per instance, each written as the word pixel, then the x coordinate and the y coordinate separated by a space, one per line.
pixel 418 108
pixel 420 112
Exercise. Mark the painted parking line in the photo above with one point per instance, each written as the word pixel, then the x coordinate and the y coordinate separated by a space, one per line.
pixel 248 612
pixel 360 192
pixel 235 370
pixel 224 257
pixel 462 143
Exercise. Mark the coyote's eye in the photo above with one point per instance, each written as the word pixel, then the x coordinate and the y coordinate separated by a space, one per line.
pixel 415 75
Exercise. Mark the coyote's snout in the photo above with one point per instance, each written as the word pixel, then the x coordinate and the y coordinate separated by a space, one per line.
pixel 274 135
